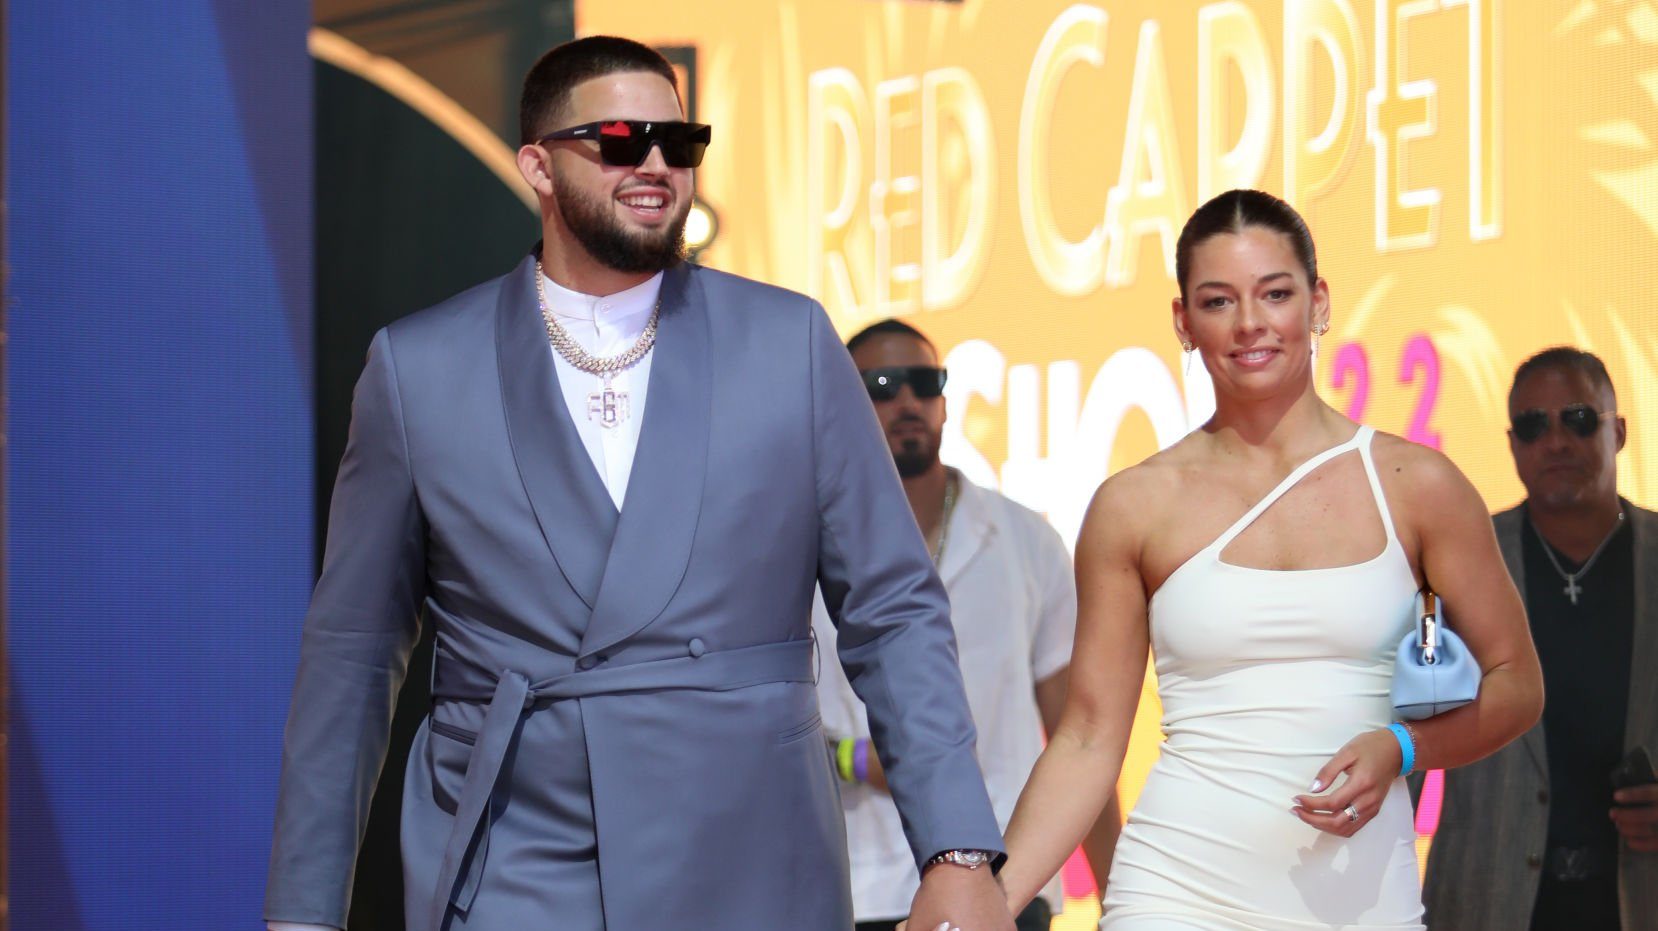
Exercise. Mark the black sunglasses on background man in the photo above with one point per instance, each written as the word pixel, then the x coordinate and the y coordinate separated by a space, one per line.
pixel 1581 419
pixel 627 143
pixel 883 384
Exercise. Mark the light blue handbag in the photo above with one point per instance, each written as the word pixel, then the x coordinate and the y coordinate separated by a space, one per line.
pixel 1433 672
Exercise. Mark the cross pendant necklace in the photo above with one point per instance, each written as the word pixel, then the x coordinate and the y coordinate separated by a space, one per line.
pixel 1572 589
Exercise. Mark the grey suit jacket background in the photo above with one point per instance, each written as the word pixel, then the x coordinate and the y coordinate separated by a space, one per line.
pixel 1485 865
pixel 465 494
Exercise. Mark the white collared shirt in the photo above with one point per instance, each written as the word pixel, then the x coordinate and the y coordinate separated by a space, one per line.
pixel 1013 604
pixel 605 326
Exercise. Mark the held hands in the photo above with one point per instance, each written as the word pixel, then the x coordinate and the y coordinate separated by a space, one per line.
pixel 955 898
pixel 1636 816
pixel 1371 762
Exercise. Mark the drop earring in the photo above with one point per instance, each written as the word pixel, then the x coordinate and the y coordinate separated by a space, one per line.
pixel 1187 346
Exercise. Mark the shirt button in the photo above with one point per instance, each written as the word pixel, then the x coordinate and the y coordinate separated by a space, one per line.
pixel 1543 796
pixel 1533 860
pixel 586 663
pixel 696 647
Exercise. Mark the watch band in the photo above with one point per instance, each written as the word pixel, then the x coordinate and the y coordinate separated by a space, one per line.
pixel 971 859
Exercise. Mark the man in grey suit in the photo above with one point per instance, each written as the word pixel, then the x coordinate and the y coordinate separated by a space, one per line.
pixel 1534 836
pixel 618 536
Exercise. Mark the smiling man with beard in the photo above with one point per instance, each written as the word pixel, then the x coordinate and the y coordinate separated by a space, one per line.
pixel 612 480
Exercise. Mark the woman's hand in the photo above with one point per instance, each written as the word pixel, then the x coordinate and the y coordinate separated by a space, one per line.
pixel 1371 762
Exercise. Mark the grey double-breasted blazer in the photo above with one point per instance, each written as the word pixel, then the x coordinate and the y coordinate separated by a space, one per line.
pixel 624 731
pixel 1485 864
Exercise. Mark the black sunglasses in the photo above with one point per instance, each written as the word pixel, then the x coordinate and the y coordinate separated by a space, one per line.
pixel 925 380
pixel 1581 419
pixel 627 143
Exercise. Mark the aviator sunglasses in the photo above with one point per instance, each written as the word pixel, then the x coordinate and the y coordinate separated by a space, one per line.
pixel 1581 419
pixel 883 384
pixel 627 143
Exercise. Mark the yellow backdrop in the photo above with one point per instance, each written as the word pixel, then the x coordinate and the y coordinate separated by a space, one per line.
pixel 1010 176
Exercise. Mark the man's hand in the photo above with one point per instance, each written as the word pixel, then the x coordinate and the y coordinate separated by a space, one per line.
pixel 957 897
pixel 1636 816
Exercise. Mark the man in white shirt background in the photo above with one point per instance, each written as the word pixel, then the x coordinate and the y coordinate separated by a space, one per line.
pixel 1013 605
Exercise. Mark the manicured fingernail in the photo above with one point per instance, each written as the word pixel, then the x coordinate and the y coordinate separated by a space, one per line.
pixel 1318 784
pixel 943 926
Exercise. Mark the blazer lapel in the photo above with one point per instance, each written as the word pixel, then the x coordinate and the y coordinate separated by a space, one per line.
pixel 1509 525
pixel 576 515
pixel 1642 722
pixel 652 545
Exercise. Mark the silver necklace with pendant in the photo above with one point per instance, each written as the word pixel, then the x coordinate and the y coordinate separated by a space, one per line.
pixel 1573 589
pixel 607 406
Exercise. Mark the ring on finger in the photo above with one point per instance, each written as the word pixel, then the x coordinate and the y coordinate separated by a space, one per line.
pixel 1352 813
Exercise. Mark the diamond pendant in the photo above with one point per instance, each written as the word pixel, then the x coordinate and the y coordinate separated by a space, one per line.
pixel 608 406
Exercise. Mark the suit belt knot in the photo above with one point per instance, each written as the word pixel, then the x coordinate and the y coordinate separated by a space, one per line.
pixel 511 694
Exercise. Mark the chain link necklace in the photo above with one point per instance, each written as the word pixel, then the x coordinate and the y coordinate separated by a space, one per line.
pixel 1573 589
pixel 607 406
pixel 951 481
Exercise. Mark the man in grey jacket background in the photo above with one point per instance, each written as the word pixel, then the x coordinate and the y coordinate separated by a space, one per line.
pixel 612 479
pixel 1535 836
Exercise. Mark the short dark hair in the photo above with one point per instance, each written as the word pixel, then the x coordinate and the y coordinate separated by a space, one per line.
pixel 548 84
pixel 1231 212
pixel 1570 358
pixel 887 327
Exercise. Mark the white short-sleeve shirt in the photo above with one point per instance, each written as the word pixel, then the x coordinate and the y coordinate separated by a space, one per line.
pixel 1013 605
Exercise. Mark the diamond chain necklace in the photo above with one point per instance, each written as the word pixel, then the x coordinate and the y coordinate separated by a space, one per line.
pixel 607 406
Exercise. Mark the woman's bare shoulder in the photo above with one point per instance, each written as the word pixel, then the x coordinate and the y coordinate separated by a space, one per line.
pixel 1422 477
pixel 1139 496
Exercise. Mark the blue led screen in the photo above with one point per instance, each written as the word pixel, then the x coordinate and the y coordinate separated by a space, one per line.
pixel 159 465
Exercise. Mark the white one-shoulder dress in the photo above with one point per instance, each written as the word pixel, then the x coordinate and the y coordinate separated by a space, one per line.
pixel 1264 675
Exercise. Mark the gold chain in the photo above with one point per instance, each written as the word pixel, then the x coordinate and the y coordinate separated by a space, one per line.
pixel 951 482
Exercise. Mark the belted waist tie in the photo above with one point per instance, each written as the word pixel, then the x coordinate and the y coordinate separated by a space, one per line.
pixel 510 695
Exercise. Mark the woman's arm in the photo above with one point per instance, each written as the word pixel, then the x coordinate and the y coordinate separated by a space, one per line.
pixel 1461 561
pixel 1077 773
pixel 1458 557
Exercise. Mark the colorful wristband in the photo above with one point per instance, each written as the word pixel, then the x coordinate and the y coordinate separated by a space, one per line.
pixel 860 761
pixel 1407 748
pixel 843 759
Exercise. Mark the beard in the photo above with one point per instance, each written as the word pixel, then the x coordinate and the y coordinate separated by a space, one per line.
pixel 914 455
pixel 611 243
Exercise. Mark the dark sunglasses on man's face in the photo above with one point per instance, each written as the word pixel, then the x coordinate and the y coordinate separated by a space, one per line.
pixel 627 143
pixel 1581 419
pixel 925 380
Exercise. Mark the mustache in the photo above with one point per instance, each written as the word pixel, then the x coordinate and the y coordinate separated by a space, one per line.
pixel 910 419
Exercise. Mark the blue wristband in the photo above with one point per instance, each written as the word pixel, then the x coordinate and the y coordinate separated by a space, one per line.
pixel 1407 748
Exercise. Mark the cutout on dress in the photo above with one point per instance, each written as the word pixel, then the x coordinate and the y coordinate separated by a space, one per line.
pixel 1330 519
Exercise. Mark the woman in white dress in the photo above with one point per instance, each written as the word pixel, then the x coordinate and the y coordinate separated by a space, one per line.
pixel 1271 560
